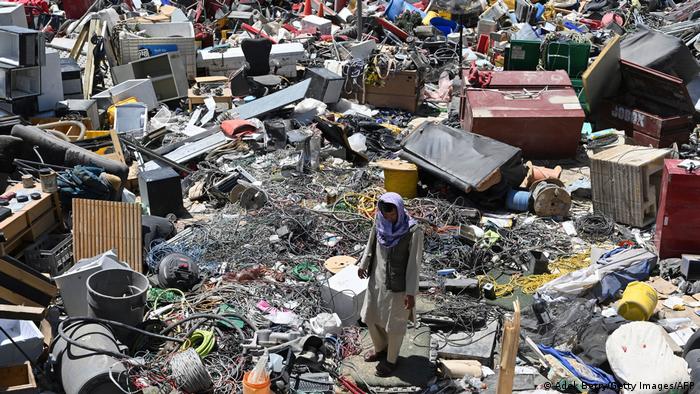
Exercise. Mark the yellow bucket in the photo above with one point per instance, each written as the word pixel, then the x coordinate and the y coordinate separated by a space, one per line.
pixel 400 177
pixel 638 302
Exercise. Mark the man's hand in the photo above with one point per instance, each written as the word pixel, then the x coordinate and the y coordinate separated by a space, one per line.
pixel 409 302
pixel 362 273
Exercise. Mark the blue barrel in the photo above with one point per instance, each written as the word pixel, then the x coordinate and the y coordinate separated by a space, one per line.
pixel 518 200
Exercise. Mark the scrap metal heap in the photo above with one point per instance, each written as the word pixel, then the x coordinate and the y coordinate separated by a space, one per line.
pixel 188 186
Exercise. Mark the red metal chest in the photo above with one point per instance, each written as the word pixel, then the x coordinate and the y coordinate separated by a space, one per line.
pixel 678 219
pixel 536 111
pixel 653 107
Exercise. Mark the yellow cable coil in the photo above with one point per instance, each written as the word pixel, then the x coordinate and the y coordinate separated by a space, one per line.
pixel 530 283
pixel 364 203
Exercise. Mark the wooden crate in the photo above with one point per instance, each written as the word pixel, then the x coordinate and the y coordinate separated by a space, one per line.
pixel 401 90
pixel 36 218
pixel 18 379
pixel 99 226
pixel 626 182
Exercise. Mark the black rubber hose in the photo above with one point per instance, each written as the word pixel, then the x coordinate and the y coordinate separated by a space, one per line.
pixel 71 341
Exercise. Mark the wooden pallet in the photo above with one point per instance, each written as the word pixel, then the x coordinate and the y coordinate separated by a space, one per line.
pixel 34 219
pixel 99 226
pixel 625 183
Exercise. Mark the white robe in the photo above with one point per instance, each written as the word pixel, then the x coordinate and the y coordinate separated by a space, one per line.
pixel 384 307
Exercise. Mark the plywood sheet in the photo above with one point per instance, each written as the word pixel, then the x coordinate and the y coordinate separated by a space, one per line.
pixel 99 226
pixel 602 79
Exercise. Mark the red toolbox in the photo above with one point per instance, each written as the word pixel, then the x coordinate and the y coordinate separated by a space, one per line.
pixel 652 107
pixel 536 111
pixel 664 141
pixel 678 219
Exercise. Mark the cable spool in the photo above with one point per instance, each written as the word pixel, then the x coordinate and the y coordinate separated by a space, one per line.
pixel 518 200
pixel 550 198
pixel 253 198
pixel 400 177
pixel 189 372
pixel 336 263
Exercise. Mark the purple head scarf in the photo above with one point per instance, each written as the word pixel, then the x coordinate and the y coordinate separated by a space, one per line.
pixel 389 234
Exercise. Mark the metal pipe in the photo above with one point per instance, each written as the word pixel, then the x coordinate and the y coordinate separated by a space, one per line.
pixel 358 22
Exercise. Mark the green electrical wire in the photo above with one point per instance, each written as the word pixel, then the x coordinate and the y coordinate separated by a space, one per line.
pixel 202 341
pixel 305 271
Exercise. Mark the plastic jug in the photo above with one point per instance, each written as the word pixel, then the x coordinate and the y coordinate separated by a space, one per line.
pixel 257 381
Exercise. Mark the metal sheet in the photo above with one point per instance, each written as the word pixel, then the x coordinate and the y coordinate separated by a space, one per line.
pixel 274 101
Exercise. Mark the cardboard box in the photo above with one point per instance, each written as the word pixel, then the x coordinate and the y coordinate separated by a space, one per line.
pixel 401 90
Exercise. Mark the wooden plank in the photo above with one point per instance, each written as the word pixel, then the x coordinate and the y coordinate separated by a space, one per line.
pixel 16 299
pixel 109 49
pixel 602 78
pixel 117 146
pixel 89 74
pixel 99 226
pixel 21 312
pixel 509 351
pixel 79 43
pixel 27 278
pixel 46 331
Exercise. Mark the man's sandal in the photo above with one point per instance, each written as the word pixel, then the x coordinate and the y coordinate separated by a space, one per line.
pixel 385 369
pixel 372 356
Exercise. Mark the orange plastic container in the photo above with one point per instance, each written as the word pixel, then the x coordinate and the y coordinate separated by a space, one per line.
pixel 255 388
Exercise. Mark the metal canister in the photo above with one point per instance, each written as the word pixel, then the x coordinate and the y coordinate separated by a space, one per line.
pixel 27 181
pixel 48 178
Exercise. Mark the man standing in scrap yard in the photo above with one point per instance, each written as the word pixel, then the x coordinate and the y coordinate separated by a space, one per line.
pixel 391 260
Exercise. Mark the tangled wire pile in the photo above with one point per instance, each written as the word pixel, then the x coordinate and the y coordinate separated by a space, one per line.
pixel 595 227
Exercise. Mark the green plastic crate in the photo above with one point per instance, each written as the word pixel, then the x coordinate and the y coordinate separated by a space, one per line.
pixel 569 56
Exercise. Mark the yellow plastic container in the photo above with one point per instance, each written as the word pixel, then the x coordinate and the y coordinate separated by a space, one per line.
pixel 430 15
pixel 251 388
pixel 400 177
pixel 113 108
pixel 638 302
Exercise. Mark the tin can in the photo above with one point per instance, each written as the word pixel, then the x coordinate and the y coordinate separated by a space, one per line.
pixel 48 180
